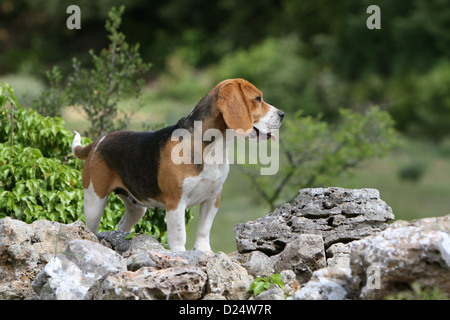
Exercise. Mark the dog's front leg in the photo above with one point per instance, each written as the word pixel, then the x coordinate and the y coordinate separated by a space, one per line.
pixel 207 213
pixel 176 230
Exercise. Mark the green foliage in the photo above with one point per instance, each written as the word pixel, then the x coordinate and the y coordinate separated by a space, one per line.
pixel 116 71
pixel 420 292
pixel 7 95
pixel 34 187
pixel 44 133
pixel 41 179
pixel 51 100
pixel 265 283
pixel 413 171
pixel 433 101
pixel 313 152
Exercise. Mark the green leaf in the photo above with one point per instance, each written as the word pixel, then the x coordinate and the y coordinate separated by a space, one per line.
pixel 277 279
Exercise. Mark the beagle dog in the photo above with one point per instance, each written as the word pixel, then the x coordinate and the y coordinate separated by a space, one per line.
pixel 137 166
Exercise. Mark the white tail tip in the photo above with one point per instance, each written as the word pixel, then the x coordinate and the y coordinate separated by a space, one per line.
pixel 76 141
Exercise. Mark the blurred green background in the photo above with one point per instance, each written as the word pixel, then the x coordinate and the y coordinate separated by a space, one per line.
pixel 316 56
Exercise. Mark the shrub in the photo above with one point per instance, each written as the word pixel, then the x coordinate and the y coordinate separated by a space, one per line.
pixel 412 171
pixel 433 101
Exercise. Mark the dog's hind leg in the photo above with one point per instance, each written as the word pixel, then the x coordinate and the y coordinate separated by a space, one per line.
pixel 133 214
pixel 93 208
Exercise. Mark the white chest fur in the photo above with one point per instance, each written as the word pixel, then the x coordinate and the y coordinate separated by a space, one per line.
pixel 207 185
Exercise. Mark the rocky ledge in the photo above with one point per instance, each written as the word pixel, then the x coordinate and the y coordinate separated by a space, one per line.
pixel 331 243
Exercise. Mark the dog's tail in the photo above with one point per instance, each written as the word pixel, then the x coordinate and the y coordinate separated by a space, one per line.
pixel 78 150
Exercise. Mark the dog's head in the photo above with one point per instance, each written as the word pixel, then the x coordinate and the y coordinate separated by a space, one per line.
pixel 245 111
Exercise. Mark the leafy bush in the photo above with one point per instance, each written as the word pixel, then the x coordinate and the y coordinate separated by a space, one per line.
pixel 421 103
pixel 34 187
pixel 413 171
pixel 433 101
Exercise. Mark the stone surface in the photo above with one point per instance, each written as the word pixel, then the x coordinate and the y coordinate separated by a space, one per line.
pixel 146 251
pixel 258 264
pixel 303 256
pixel 115 240
pixel 339 215
pixel 406 252
pixel 338 256
pixel 70 275
pixel 68 262
pixel 177 283
pixel 227 278
pixel 26 248
pixel 327 284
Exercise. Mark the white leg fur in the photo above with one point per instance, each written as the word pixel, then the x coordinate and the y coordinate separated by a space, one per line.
pixel 133 214
pixel 206 217
pixel 176 230
pixel 93 208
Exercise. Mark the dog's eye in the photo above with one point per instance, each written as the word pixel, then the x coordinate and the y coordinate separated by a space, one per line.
pixel 258 98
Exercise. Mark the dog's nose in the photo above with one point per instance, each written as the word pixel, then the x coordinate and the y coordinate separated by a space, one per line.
pixel 281 114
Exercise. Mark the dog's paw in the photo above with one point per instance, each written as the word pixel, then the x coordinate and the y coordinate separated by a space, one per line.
pixel 204 247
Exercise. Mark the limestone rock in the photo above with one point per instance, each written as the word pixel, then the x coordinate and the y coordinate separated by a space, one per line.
pixel 70 275
pixel 227 278
pixel 406 252
pixel 329 283
pixel 146 251
pixel 179 283
pixel 303 256
pixel 115 240
pixel 258 264
pixel 338 255
pixel 26 248
pixel 339 215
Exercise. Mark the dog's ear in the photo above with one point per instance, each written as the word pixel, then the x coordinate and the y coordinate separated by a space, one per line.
pixel 235 107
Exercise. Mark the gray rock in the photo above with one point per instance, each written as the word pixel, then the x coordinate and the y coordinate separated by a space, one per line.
pixel 338 256
pixel 179 283
pixel 146 251
pixel 406 252
pixel 227 278
pixel 330 283
pixel 26 248
pixel 143 243
pixel 115 240
pixel 289 281
pixel 70 275
pixel 339 215
pixel 214 296
pixel 258 264
pixel 303 256
pixel 334 282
